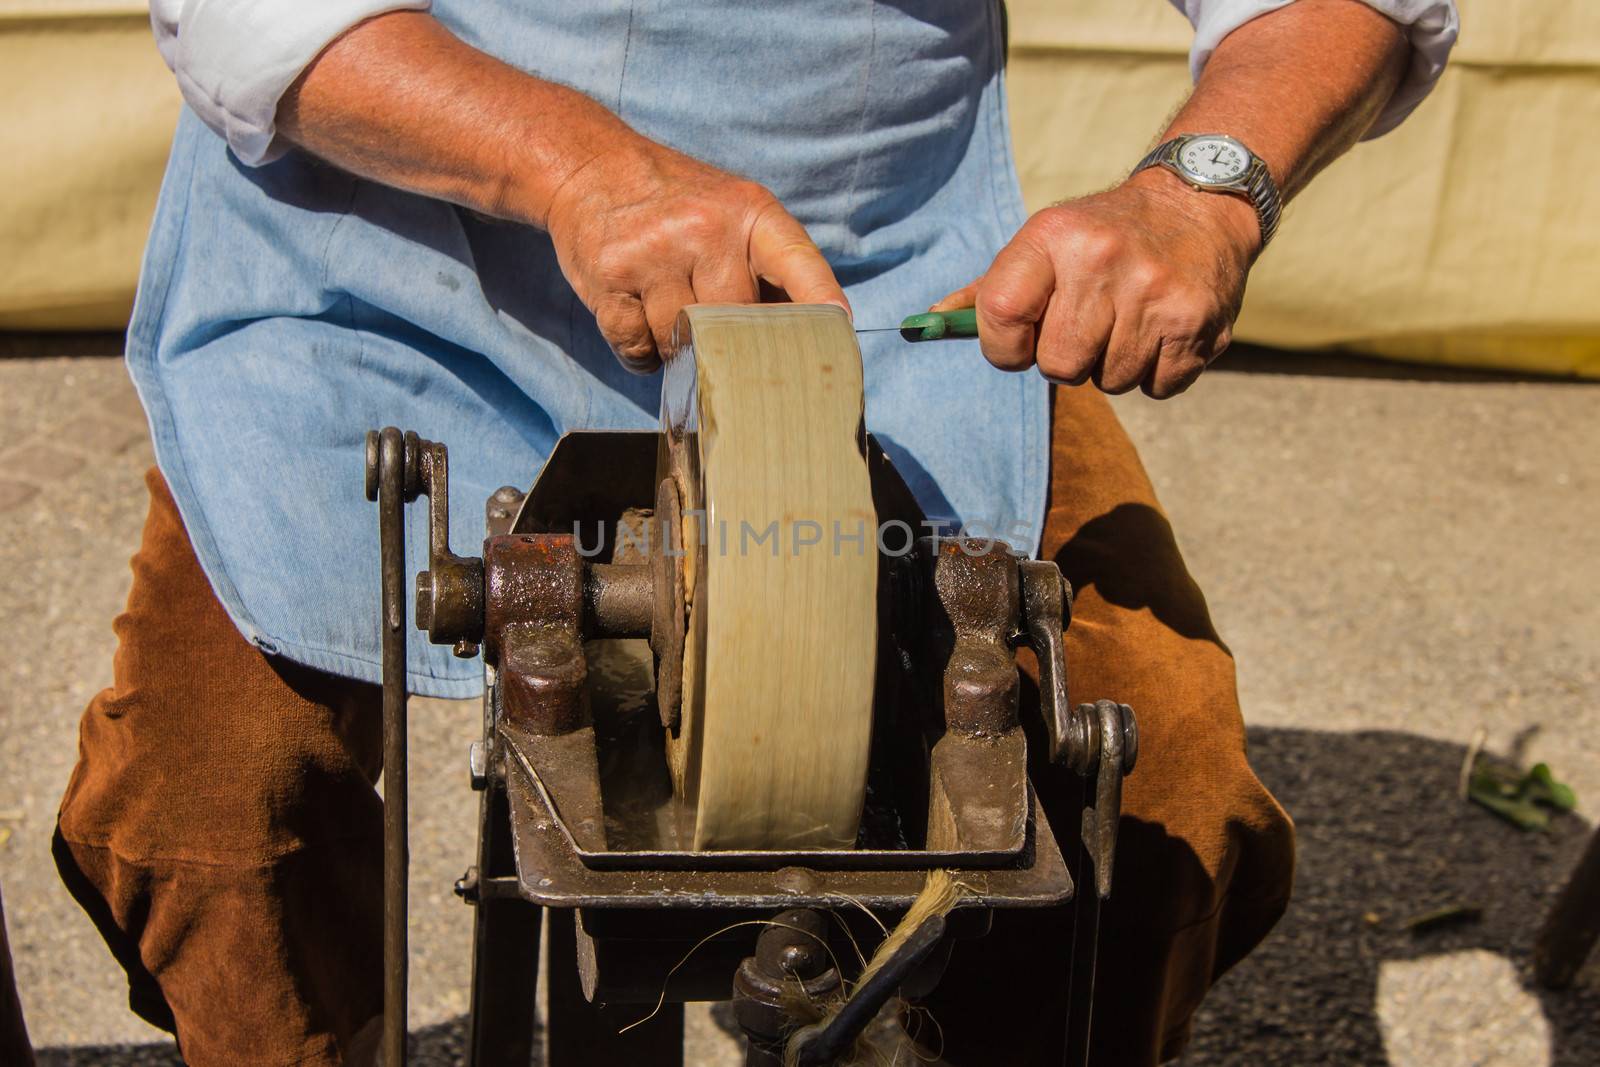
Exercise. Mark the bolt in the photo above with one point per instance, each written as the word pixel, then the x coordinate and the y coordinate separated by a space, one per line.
pixel 478 766
pixel 796 880
pixel 801 959
pixel 508 494
pixel 466 886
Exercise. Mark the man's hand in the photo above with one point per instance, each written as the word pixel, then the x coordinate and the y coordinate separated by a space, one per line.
pixel 1135 286
pixel 1140 285
pixel 642 230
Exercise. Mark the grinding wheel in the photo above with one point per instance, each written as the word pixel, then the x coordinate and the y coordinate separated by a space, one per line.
pixel 764 443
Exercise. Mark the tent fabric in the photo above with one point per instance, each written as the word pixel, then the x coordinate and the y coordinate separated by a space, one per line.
pixel 83 142
pixel 1469 236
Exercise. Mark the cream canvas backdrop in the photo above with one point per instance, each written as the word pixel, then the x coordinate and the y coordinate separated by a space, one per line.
pixel 1470 235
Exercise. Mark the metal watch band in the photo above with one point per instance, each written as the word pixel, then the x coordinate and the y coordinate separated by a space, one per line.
pixel 1256 183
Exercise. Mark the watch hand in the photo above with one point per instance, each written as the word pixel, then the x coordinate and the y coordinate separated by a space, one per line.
pixel 1215 155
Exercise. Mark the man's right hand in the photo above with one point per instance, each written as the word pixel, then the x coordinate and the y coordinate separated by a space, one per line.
pixel 642 230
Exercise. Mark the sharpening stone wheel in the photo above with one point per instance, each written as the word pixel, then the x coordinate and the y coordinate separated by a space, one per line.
pixel 761 414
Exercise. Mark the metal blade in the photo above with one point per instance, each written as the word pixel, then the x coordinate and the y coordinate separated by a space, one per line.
pixel 933 325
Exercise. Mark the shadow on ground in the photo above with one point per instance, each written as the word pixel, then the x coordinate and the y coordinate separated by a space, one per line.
pixel 1381 832
pixel 441 1045
pixel 1329 363
pixel 35 345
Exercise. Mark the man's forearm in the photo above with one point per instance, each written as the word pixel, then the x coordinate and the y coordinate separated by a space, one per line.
pixel 1298 86
pixel 639 229
pixel 401 100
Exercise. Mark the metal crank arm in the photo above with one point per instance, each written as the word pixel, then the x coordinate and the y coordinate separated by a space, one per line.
pixel 392 480
pixel 449 606
pixel 400 467
pixel 1099 742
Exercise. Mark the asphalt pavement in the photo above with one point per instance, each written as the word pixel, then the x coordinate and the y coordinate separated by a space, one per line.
pixel 1397 558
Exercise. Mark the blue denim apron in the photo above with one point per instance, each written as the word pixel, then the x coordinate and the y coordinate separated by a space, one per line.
pixel 283 310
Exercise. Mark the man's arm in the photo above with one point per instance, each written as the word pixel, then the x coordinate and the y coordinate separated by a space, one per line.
pixel 640 229
pixel 1140 285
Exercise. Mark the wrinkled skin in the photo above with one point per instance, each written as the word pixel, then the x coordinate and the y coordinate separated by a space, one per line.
pixel 642 230
pixel 1135 286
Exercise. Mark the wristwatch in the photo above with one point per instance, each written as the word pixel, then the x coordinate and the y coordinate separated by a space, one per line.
pixel 1216 163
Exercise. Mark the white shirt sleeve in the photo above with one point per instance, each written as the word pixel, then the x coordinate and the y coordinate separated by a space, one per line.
pixel 234 59
pixel 1431 25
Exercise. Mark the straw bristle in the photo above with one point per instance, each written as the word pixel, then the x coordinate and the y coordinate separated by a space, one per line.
pixel 939 895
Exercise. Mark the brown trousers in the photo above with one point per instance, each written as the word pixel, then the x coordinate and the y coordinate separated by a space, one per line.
pixel 222 830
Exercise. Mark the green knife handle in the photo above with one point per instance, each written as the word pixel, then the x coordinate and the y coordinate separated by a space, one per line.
pixel 940 325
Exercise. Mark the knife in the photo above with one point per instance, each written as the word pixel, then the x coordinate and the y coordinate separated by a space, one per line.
pixel 934 325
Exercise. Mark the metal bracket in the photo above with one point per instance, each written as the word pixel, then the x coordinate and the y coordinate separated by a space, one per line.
pixel 1114 747
pixel 450 591
pixel 1046 614
pixel 1099 739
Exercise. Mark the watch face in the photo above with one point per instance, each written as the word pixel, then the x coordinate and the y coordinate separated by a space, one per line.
pixel 1214 160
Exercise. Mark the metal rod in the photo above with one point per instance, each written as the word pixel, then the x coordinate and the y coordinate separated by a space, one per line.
pixel 396 849
pixel 619 599
pixel 1085 945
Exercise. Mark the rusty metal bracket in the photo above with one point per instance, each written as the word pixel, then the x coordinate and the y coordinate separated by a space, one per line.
pixel 450 591
pixel 1046 614
pixel 965 621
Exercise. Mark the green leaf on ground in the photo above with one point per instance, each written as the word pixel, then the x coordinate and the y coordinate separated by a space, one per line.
pixel 1542 786
pixel 1525 800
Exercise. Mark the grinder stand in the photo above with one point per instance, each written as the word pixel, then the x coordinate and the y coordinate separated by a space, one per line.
pixel 577 817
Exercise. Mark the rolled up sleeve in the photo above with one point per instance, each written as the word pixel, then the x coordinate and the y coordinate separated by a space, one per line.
pixel 234 59
pixel 1431 26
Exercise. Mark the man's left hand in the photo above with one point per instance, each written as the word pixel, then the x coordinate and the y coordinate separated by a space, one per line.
pixel 1135 286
